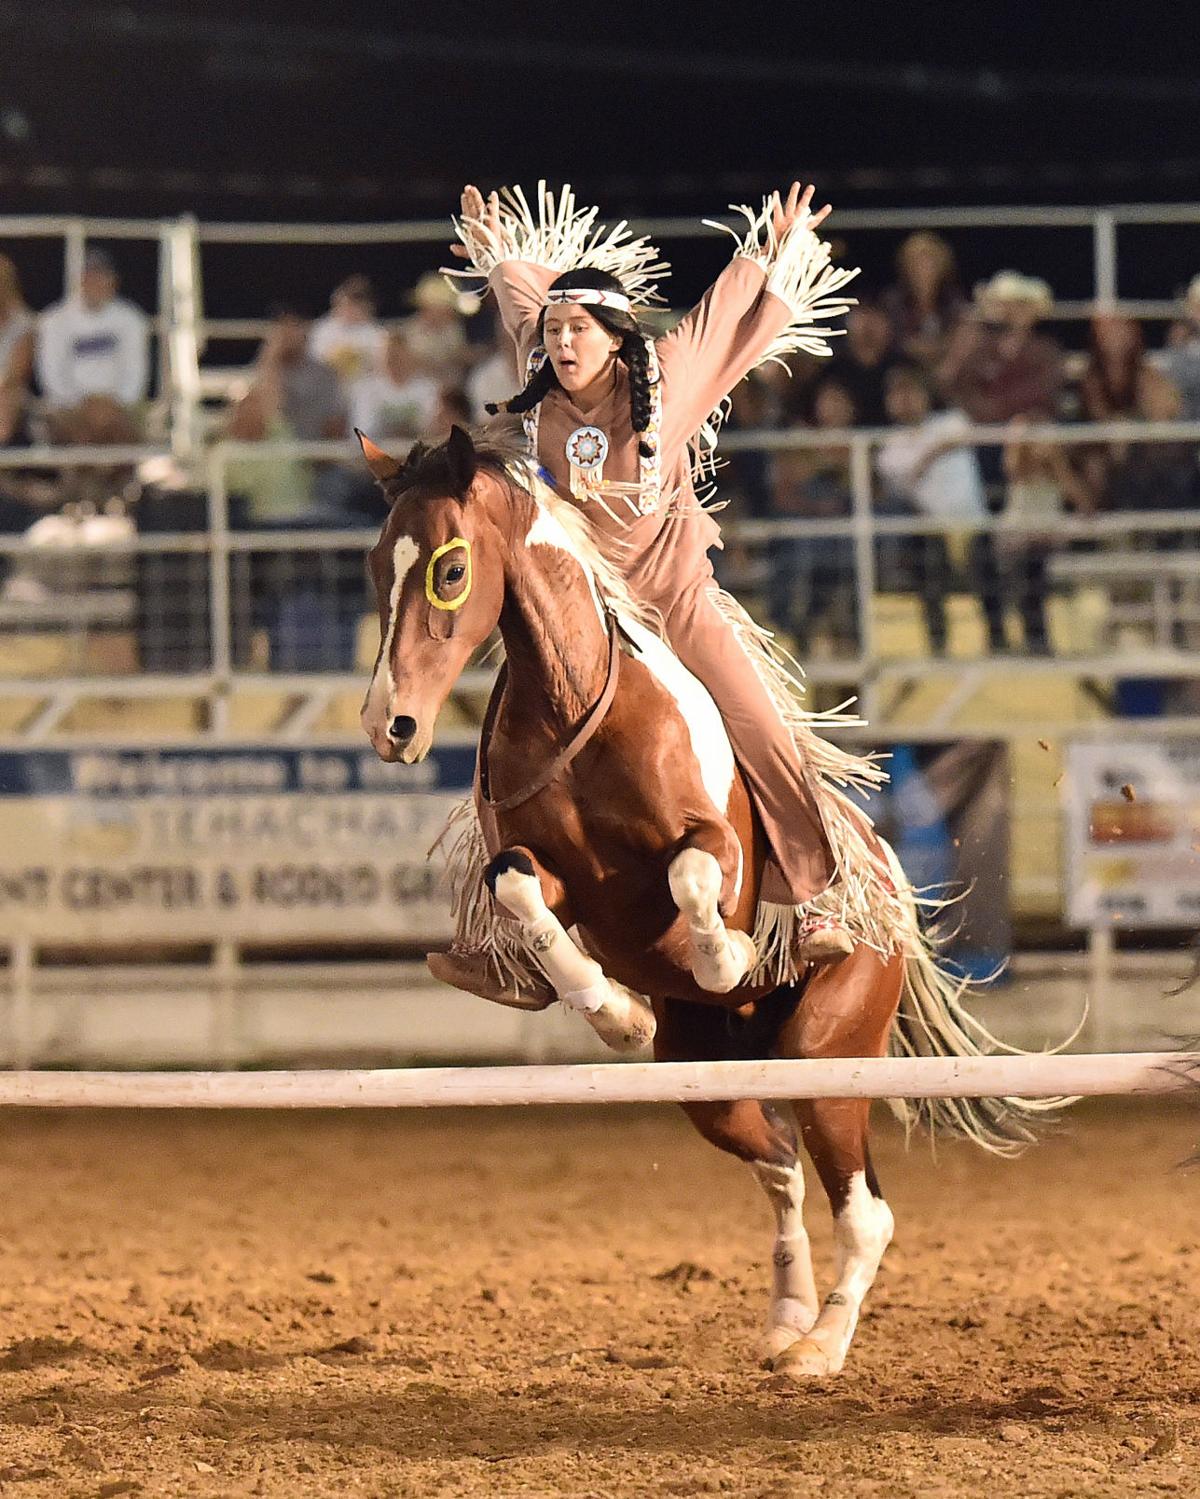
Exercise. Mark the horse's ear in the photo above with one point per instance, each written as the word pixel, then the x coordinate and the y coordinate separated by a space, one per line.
pixel 380 464
pixel 461 460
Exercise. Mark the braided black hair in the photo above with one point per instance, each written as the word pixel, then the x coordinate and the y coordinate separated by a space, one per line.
pixel 632 353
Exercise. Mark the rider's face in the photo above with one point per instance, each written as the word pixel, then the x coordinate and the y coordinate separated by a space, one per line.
pixel 580 349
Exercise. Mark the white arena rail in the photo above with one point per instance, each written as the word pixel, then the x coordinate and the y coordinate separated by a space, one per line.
pixel 635 1082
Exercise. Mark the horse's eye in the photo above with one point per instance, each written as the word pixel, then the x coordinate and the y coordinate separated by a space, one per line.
pixel 456 573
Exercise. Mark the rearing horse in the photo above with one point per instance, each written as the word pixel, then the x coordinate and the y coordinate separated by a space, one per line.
pixel 619 811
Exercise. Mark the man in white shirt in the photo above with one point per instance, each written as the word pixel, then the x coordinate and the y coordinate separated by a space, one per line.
pixel 348 338
pixel 928 469
pixel 398 401
pixel 93 359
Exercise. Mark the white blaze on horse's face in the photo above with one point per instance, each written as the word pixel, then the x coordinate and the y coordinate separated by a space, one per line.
pixel 378 708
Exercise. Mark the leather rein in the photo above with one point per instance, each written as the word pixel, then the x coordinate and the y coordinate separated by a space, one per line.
pixel 550 772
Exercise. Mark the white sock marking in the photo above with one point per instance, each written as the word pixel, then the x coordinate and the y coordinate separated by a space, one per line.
pixel 720 958
pixel 861 1232
pixel 619 1017
pixel 794 1303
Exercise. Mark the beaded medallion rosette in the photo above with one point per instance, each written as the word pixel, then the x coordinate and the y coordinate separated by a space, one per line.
pixel 588 447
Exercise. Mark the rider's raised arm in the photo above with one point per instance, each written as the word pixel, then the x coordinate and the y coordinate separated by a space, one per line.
pixel 500 255
pixel 518 245
pixel 776 297
pixel 520 288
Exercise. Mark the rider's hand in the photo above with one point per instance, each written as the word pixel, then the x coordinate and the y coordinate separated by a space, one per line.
pixel 485 211
pixel 795 209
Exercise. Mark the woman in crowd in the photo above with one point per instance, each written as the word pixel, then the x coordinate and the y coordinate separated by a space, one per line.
pixel 926 302
pixel 812 577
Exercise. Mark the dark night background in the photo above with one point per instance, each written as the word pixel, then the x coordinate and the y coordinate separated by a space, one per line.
pixel 273 111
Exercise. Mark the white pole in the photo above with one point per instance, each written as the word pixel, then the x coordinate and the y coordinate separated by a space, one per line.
pixel 635 1082
pixel 1104 257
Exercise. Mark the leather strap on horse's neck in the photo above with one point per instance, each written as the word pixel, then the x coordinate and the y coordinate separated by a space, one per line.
pixel 592 721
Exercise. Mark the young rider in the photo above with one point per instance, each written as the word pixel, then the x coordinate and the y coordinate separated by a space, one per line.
pixel 619 419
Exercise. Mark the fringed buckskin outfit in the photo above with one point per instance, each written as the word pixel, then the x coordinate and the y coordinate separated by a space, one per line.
pixel 771 300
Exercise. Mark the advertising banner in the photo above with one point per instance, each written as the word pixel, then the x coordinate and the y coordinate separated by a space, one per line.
pixel 1133 833
pixel 246 843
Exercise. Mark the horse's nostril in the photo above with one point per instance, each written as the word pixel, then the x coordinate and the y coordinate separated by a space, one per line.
pixel 402 729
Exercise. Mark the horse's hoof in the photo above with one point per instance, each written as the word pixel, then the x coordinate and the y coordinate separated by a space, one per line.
pixel 776 1341
pixel 626 1023
pixel 745 942
pixel 804 1360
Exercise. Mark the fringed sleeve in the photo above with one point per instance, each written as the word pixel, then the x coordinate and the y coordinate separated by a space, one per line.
pixel 775 298
pixel 519 259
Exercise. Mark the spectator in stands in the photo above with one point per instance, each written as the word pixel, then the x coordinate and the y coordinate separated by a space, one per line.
pixel 348 337
pixel 435 330
pixel 928 469
pixel 1109 389
pixel 998 368
pixel 862 359
pixel 926 303
pixel 309 602
pixel 812 579
pixel 493 376
pixel 92 360
pixel 16 354
pixel 1042 487
pixel 1180 361
pixel 293 397
pixel 753 407
pixel 453 410
pixel 1149 476
pixel 396 401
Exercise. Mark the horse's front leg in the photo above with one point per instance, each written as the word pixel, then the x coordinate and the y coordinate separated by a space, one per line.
pixel 532 894
pixel 706 871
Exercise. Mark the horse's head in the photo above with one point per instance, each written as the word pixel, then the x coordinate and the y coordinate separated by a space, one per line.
pixel 438 570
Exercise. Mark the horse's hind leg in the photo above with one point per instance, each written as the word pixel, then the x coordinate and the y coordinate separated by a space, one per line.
pixel 528 891
pixel 705 869
pixel 763 1136
pixel 847 1010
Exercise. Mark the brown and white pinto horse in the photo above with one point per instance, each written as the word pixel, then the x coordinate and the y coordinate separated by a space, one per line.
pixel 643 838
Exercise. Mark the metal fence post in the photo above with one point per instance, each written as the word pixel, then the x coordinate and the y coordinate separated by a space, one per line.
pixel 864 568
pixel 74 249
pixel 1104 254
pixel 20 1040
pixel 220 631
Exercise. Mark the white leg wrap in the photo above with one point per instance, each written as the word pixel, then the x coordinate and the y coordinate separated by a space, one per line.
pixel 622 1019
pixel 720 958
pixel 861 1231
pixel 794 1303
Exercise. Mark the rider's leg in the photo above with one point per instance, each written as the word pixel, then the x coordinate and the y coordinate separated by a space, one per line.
pixel 769 759
pixel 493 966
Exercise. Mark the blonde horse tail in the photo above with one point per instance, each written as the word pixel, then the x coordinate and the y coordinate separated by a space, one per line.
pixel 933 1021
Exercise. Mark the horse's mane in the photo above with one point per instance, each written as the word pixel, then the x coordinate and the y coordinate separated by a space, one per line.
pixel 506 459
pixel 610 584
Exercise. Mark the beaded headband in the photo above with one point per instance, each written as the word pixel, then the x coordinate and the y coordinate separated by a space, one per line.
pixel 588 296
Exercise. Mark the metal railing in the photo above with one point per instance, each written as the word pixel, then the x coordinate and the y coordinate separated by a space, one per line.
pixel 221 559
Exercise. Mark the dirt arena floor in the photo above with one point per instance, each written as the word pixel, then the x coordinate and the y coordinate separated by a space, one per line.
pixel 555 1303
